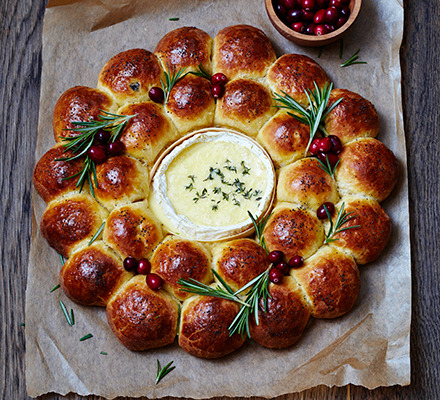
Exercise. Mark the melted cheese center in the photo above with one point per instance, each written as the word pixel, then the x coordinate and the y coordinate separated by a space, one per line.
pixel 207 185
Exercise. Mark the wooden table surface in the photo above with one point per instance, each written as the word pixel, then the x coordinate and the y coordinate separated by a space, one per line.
pixel 20 69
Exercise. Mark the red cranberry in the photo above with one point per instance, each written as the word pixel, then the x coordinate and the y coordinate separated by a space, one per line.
pixel 319 17
pixel 115 148
pixel 330 28
pixel 275 256
pixel 283 267
pixel 144 266
pixel 103 137
pixel 280 10
pixel 322 3
pixel 314 147
pixel 275 275
pixel 336 3
pixel 321 213
pixel 294 16
pixel 345 2
pixel 320 30
pixel 308 4
pixel 340 21
pixel 218 90
pixel 325 144
pixel 156 94
pixel 345 12
pixel 310 29
pixel 331 15
pixel 336 144
pixel 130 263
pixel 289 4
pixel 296 262
pixel 154 281
pixel 97 154
pixel 298 27
pixel 219 78
pixel 308 15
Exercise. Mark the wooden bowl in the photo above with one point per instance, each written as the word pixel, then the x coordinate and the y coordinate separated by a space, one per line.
pixel 312 40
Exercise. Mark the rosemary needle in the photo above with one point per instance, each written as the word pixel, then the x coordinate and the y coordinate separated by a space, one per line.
pixel 88 336
pixel 353 60
pixel 95 236
pixel 162 372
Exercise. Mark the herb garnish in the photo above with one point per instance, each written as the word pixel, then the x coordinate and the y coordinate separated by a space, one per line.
pixel 55 288
pixel 327 167
pixel 88 336
pixel 103 353
pixel 316 111
pixel 70 319
pixel 80 144
pixel 202 72
pixel 171 78
pixel 353 60
pixel 162 372
pixel 173 19
pixel 98 232
pixel 341 219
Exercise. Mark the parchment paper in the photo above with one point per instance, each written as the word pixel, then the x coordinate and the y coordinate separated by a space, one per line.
pixel 369 346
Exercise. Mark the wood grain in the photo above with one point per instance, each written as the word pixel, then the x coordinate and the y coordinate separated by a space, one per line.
pixel 20 69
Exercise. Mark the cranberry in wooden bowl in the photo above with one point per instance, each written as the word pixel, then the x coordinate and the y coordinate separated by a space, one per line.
pixel 312 22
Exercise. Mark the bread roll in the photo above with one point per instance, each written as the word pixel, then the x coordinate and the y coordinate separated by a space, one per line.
pixel 148 133
pixel 364 244
pixel 177 258
pixel 129 75
pixel 284 138
pixel 367 167
pixel 142 318
pixel 306 183
pixel 92 275
pixel 294 231
pixel 79 104
pixel 242 51
pixel 204 327
pixel 331 281
pixel 246 106
pixel 133 230
pixel 70 222
pixel 121 180
pixel 186 47
pixel 239 261
pixel 52 176
pixel 282 322
pixel 294 74
pixel 190 104
pixel 354 117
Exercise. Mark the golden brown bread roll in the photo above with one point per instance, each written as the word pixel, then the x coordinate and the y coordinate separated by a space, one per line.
pixel 364 244
pixel 306 183
pixel 282 322
pixel 176 258
pixel 129 75
pixel 92 275
pixel 141 318
pixel 242 51
pixel 186 47
pixel 204 327
pixel 331 282
pixel 284 138
pixel 190 105
pixel 133 230
pixel 51 173
pixel 71 221
pixel 239 261
pixel 367 167
pixel 294 231
pixel 146 134
pixel 79 104
pixel 246 106
pixel 354 117
pixel 294 74
pixel 121 180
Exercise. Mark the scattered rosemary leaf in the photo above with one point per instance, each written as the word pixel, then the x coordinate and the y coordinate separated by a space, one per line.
pixel 95 236
pixel 173 19
pixel 103 353
pixel 341 48
pixel 162 372
pixel 88 336
pixel 55 288
pixel 61 258
pixel 22 324
pixel 353 60
pixel 69 318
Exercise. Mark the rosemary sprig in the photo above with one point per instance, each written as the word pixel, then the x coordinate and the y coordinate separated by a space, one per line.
pixel 259 228
pixel 327 167
pixel 98 232
pixel 171 78
pixel 316 111
pixel 342 218
pixel 202 72
pixel 80 144
pixel 162 372
pixel 353 60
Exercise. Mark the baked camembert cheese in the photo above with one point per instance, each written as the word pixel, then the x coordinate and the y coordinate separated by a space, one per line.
pixel 206 185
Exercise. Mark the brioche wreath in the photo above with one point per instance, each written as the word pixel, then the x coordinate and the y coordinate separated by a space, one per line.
pixel 109 219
